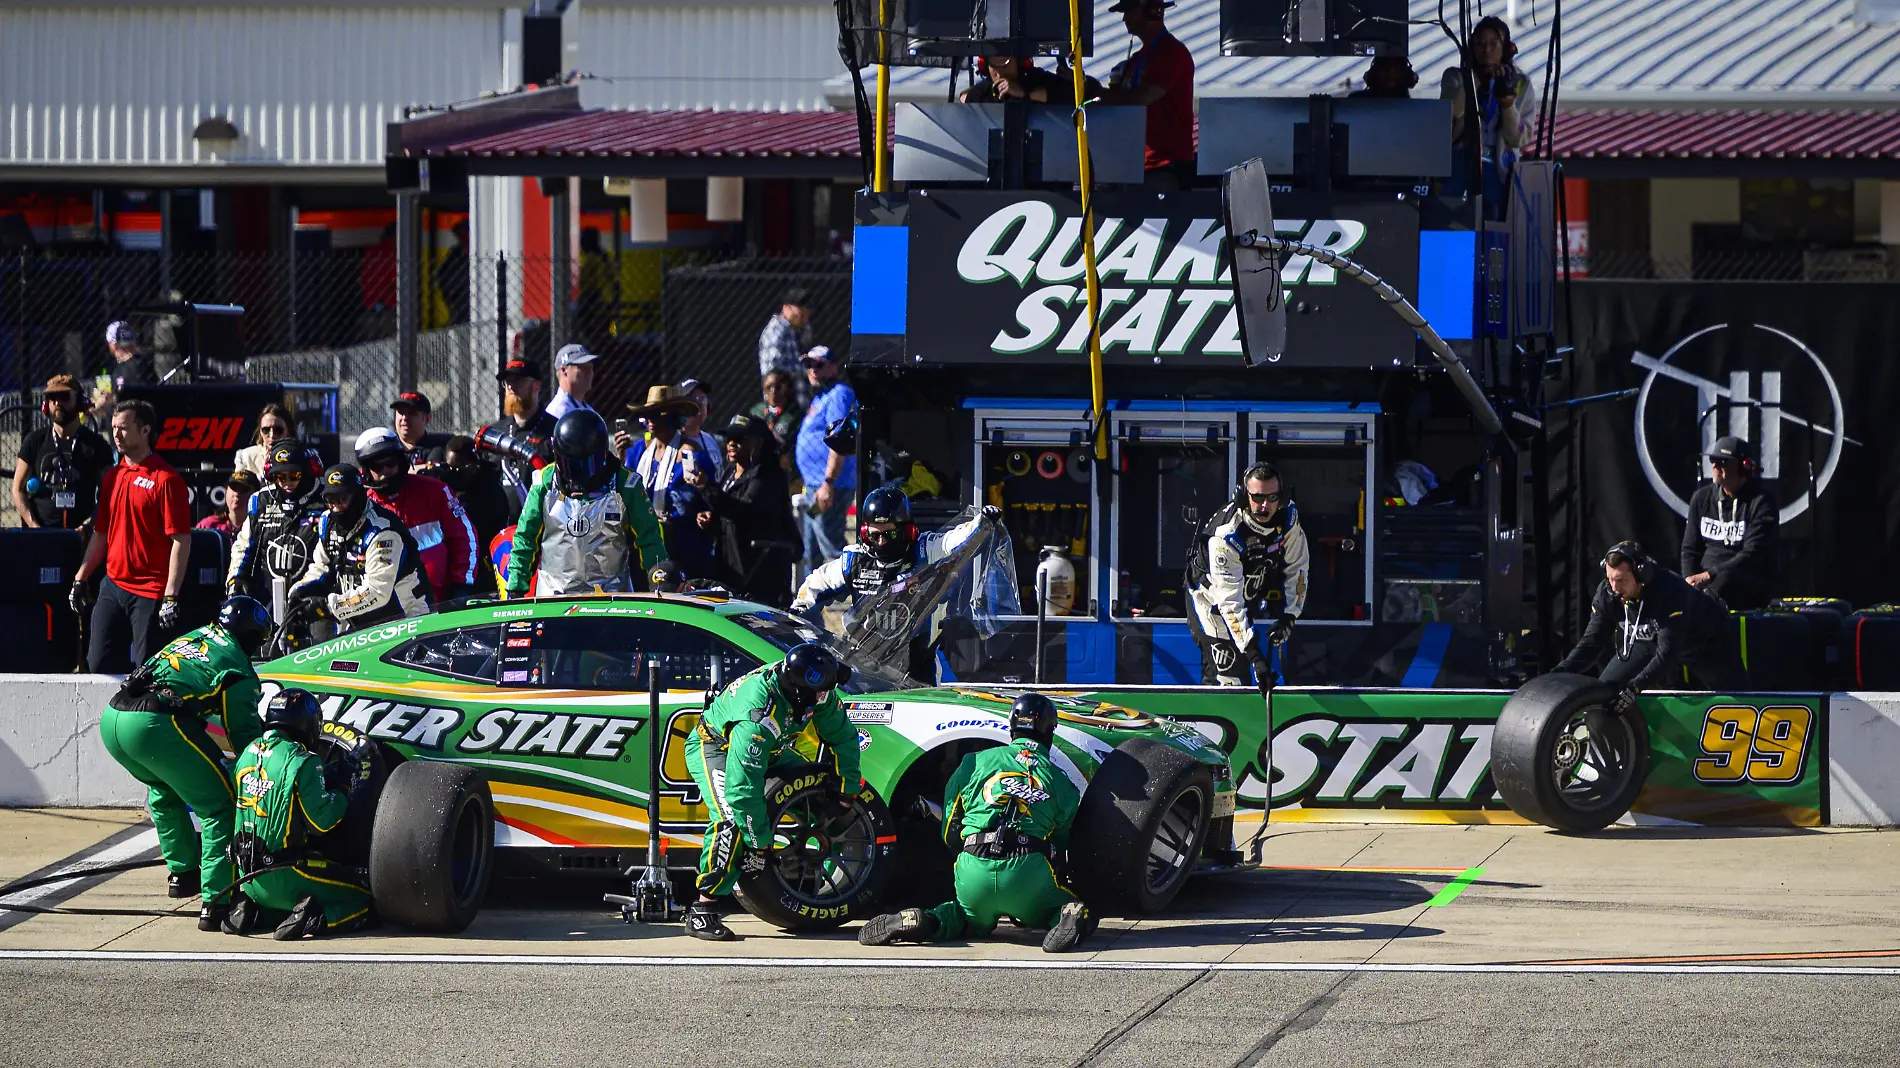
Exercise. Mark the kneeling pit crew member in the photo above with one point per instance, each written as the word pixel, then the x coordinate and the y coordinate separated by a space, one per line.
pixel 750 729
pixel 1728 544
pixel 155 728
pixel 284 796
pixel 1251 556
pixel 1005 810
pixel 366 569
pixel 586 524
pixel 279 534
pixel 445 539
pixel 1657 629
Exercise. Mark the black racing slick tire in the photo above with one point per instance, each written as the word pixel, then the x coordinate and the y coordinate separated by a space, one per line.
pixel 1141 827
pixel 434 846
pixel 830 864
pixel 1561 758
pixel 355 762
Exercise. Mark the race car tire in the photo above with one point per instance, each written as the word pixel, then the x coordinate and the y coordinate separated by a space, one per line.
pixel 434 846
pixel 367 764
pixel 1537 754
pixel 829 866
pixel 1140 828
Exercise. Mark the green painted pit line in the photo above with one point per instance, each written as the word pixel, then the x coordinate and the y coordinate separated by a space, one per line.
pixel 1457 886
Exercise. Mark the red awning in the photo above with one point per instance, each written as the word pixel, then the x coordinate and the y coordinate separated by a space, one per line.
pixel 730 134
pixel 1728 134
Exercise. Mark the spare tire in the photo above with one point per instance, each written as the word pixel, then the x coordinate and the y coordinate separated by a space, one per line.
pixel 829 864
pixel 434 846
pixel 1561 758
pixel 1141 827
pixel 366 765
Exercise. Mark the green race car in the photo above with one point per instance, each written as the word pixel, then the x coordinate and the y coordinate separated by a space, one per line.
pixel 517 731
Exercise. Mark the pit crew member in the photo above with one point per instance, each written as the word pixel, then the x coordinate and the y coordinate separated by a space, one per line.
pixel 1728 544
pixel 283 798
pixel 155 728
pixel 445 538
pixel 279 534
pixel 366 569
pixel 1657 629
pixel 1249 557
pixel 1006 809
pixel 749 729
pixel 586 524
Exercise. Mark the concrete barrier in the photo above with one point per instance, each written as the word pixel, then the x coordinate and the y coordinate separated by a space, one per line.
pixel 50 752
pixel 1863 759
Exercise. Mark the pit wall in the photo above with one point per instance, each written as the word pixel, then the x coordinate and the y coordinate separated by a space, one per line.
pixel 1399 755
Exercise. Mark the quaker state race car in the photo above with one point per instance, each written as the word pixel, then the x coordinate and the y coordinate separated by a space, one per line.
pixel 514 733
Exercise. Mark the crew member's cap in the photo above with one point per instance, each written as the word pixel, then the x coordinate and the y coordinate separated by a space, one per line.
pixel 519 368
pixel 691 384
pixel 121 333
pixel 410 402
pixel 243 479
pixel 1731 448
pixel 64 384
pixel 573 355
pixel 745 426
pixel 342 480
pixel 818 354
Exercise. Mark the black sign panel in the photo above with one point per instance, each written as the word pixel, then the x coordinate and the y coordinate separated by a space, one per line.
pixel 996 277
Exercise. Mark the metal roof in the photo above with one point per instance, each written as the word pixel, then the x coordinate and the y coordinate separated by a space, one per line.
pixel 1627 52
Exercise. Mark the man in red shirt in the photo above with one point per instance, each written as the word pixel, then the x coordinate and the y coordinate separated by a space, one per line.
pixel 142 534
pixel 1160 77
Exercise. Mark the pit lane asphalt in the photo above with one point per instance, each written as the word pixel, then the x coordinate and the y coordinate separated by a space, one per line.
pixel 1281 966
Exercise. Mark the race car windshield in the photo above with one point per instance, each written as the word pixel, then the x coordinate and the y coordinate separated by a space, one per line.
pixel 785 631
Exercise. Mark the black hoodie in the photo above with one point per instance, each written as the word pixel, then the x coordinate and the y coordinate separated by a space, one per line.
pixel 1734 540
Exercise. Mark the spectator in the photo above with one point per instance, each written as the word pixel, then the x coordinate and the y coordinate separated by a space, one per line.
pixel 1503 94
pixel 1014 78
pixel 785 334
pixel 130 367
pixel 1159 77
pixel 526 424
pixel 574 370
pixel 411 413
pixel 237 503
pixel 273 426
pixel 829 476
pixel 451 274
pixel 694 431
pixel 1729 545
pixel 1388 78
pixel 750 516
pixel 663 457
pixel 479 488
pixel 445 539
pixel 142 534
pixel 781 411
pixel 56 478
pixel 686 526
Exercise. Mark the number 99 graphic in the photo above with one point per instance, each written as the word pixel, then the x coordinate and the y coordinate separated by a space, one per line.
pixel 1743 744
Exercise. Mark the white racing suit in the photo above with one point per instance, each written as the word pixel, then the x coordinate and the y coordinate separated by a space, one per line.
pixel 858 574
pixel 1239 569
pixel 367 574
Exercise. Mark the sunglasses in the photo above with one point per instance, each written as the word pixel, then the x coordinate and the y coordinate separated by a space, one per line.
pixel 876 537
pixel 274 430
pixel 390 463
pixel 1264 498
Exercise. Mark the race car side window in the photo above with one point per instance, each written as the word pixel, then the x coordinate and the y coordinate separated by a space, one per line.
pixel 467 654
pixel 581 653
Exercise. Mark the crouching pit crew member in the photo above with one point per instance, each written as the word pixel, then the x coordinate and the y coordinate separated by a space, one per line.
pixel 284 797
pixel 586 524
pixel 1005 810
pixel 1249 557
pixel 155 728
pixel 1728 544
pixel 750 729
pixel 366 569
pixel 1657 629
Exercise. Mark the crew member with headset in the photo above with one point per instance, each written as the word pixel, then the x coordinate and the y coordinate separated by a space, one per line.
pixel 751 727
pixel 1728 544
pixel 586 524
pixel 366 569
pixel 1250 557
pixel 1657 629
pixel 155 728
pixel 284 796
pixel 1006 809
pixel 56 478
pixel 279 535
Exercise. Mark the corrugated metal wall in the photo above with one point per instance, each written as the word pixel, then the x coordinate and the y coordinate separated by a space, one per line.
pixel 303 85
pixel 765 57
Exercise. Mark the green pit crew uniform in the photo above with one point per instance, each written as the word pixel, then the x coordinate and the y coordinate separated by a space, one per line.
pixel 750 729
pixel 1004 810
pixel 581 543
pixel 281 801
pixel 155 728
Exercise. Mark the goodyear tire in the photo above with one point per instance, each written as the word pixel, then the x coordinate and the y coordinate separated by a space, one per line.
pixel 1141 827
pixel 366 764
pixel 1560 758
pixel 829 865
pixel 434 846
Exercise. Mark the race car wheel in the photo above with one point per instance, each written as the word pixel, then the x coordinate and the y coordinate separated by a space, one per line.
pixel 433 847
pixel 1561 758
pixel 358 764
pixel 1141 827
pixel 830 864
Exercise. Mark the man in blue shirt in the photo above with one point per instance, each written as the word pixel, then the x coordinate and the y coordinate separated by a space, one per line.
pixel 830 476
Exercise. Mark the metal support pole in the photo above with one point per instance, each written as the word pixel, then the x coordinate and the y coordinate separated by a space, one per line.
pixel 1042 614
pixel 408 288
pixel 881 165
pixel 501 311
pixel 290 277
pixel 165 243
pixel 1092 282
pixel 560 270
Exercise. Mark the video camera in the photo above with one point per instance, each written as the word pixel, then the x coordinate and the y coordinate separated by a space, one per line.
pixel 516 444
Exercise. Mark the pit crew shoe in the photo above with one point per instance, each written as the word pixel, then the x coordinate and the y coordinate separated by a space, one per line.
pixel 182 884
pixel 1073 924
pixel 703 922
pixel 242 918
pixel 304 921
pixel 910 925
pixel 212 915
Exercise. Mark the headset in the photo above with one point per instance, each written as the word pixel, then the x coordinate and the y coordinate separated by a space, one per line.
pixel 1262 471
pixel 1630 552
pixel 1411 76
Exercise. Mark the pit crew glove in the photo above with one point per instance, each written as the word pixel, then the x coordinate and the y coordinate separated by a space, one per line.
pixel 80 596
pixel 1624 703
pixel 1282 630
pixel 338 778
pixel 752 861
pixel 992 513
pixel 168 614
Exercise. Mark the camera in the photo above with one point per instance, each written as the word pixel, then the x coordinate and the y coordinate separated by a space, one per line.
pixel 508 443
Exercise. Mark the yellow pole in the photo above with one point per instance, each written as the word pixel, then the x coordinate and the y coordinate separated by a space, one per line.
pixel 1094 281
pixel 881 166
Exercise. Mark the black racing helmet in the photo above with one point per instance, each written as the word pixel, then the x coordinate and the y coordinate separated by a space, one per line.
pixel 294 714
pixel 245 619
pixel 887 505
pixel 808 673
pixel 580 444
pixel 1033 716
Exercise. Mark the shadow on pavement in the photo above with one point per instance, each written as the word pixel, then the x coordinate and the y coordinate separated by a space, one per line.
pixel 1237 932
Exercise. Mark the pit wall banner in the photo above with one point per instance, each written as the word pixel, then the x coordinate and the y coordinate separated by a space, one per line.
pixel 1424 756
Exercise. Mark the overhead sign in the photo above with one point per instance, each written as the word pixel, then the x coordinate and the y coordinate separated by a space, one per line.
pixel 997 277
